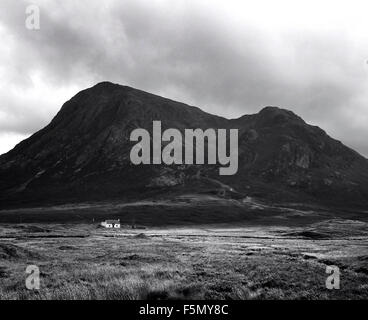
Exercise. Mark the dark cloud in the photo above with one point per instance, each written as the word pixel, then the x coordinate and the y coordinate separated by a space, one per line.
pixel 189 51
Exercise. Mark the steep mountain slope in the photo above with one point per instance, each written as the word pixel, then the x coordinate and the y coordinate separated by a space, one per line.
pixel 83 154
pixel 278 148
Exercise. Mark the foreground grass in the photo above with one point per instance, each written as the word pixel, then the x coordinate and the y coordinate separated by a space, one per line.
pixel 125 265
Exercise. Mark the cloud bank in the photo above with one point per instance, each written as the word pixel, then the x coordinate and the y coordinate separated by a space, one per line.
pixel 227 57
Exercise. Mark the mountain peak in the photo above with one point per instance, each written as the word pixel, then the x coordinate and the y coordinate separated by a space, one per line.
pixel 103 88
pixel 106 84
pixel 273 110
pixel 278 115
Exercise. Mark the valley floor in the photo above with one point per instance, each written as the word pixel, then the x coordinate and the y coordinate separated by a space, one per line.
pixel 84 261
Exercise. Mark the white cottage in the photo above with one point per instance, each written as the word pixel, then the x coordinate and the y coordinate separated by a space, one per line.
pixel 112 224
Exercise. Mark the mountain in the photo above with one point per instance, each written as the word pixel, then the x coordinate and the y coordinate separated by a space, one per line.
pixel 83 155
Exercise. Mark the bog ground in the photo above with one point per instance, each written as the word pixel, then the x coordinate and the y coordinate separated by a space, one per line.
pixel 216 261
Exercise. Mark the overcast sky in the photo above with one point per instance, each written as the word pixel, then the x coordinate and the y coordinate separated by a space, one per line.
pixel 227 57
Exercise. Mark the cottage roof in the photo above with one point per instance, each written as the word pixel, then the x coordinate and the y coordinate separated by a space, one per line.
pixel 112 221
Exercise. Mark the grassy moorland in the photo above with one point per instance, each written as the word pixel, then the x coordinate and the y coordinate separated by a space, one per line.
pixel 83 261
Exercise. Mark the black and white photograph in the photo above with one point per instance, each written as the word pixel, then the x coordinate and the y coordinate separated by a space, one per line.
pixel 183 150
